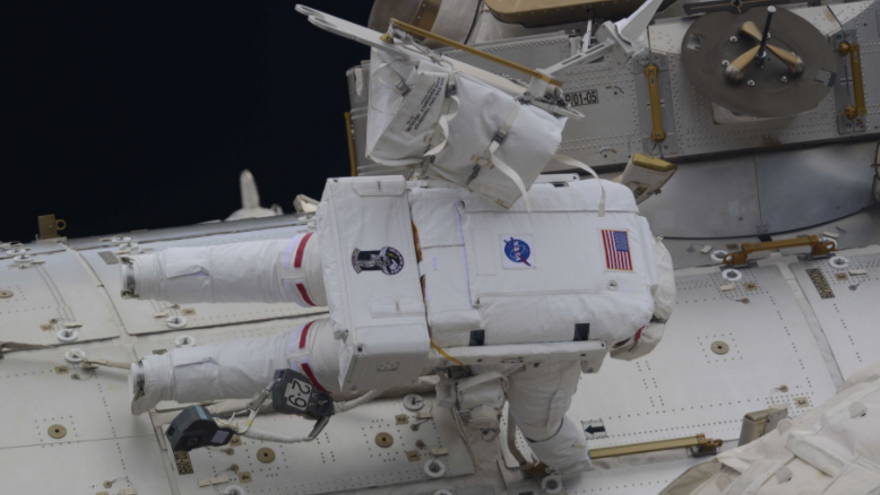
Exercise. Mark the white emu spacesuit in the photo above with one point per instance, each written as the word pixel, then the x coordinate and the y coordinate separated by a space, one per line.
pixel 417 275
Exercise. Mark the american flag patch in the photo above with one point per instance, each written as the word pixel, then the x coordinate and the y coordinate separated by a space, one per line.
pixel 616 244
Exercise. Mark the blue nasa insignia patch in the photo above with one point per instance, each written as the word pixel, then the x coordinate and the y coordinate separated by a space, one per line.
pixel 517 252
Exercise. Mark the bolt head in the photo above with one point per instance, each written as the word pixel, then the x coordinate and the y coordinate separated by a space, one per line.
pixel 751 83
pixel 725 63
pixel 784 79
pixel 734 39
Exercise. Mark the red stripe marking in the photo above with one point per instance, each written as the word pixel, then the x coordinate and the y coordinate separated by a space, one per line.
pixel 638 335
pixel 304 294
pixel 297 262
pixel 605 243
pixel 311 376
pixel 302 336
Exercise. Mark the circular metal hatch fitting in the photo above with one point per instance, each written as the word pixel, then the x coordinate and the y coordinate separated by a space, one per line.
pixel 413 402
pixel 719 347
pixel 708 42
pixel 266 455
pixel 6 294
pixel 57 431
pixel 384 440
pixel 435 468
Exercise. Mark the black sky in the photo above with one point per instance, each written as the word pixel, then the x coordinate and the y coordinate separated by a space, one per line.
pixel 127 115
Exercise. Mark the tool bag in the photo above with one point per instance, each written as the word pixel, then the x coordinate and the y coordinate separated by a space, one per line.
pixel 449 125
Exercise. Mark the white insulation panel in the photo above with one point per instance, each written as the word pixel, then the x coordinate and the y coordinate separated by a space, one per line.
pixel 684 388
pixel 345 456
pixel 81 468
pixel 849 312
pixel 647 477
pixel 42 389
pixel 140 316
pixel 45 297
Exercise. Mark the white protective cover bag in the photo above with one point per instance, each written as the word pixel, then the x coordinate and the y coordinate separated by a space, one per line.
pixel 559 273
pixel 372 282
pixel 475 135
pixel 833 449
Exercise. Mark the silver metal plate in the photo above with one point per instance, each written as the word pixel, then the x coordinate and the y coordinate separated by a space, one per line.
pixel 798 188
pixel 726 191
pixel 138 315
pixel 61 289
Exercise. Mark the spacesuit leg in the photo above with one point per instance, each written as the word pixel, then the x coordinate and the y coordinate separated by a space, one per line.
pixel 237 369
pixel 539 397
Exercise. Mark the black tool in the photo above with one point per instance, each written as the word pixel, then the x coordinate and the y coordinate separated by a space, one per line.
pixel 195 427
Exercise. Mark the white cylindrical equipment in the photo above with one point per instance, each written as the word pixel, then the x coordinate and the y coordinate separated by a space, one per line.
pixel 235 370
pixel 276 271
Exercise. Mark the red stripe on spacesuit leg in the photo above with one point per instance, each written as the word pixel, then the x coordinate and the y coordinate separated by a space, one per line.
pixel 311 376
pixel 304 294
pixel 302 336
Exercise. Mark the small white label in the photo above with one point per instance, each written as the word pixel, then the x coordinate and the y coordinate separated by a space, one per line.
pixel 298 394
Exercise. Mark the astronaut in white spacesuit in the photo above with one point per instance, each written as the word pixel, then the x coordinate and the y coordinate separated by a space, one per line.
pixel 415 273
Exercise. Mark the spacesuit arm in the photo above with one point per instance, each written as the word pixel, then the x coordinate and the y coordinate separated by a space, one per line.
pixel 276 271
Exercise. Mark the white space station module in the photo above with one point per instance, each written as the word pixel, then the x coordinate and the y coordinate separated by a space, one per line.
pixel 437 323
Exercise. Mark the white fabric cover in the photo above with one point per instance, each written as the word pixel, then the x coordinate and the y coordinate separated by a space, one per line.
pixel 530 144
pixel 399 127
pixel 372 281
pixel 664 299
pixel 832 450
pixel 273 271
pixel 539 397
pixel 238 369
pixel 471 285
pixel 419 109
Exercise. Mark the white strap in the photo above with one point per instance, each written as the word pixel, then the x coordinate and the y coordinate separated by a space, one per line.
pixel 490 157
pixel 583 166
pixel 508 171
pixel 445 118
pixel 400 86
